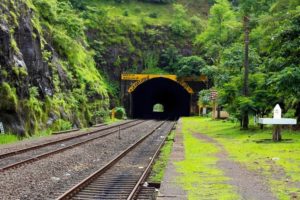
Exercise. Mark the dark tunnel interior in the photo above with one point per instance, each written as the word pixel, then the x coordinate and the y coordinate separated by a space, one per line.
pixel 174 98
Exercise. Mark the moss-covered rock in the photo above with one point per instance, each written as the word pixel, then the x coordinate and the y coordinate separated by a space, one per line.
pixel 49 78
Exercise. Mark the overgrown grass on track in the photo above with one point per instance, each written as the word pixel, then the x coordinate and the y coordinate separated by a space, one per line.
pixel 160 165
pixel 279 163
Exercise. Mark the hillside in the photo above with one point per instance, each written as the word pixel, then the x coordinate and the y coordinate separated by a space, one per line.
pixel 61 60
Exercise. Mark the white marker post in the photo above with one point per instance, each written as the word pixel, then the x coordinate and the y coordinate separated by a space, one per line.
pixel 277 112
pixel 277 121
pixel 213 97
pixel 1 128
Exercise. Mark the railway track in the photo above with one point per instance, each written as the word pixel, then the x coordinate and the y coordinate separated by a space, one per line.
pixel 124 175
pixel 28 155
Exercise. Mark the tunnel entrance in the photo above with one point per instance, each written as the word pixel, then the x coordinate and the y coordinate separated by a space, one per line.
pixel 173 98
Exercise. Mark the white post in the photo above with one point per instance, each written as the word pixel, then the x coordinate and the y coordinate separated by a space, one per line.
pixel 1 128
pixel 204 111
pixel 277 112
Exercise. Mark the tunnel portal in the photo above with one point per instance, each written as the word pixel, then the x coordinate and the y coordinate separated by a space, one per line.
pixel 174 98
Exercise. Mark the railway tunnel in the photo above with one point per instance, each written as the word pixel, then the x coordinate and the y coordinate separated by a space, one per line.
pixel 173 97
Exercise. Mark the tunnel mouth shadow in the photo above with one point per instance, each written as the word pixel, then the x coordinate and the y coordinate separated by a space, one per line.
pixel 174 98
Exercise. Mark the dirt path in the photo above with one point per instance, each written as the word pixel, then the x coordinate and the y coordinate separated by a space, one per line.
pixel 250 186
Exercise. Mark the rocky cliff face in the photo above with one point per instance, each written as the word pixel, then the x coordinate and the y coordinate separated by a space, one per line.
pixel 38 86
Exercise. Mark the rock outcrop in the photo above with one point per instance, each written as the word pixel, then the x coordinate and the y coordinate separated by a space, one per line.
pixel 36 91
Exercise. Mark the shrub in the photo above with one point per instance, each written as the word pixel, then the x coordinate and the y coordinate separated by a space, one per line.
pixel 137 10
pixel 61 125
pixel 8 97
pixel 126 13
pixel 290 113
pixel 153 15
pixel 120 113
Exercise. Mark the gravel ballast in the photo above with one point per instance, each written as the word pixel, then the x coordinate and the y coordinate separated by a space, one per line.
pixel 46 178
pixel 26 143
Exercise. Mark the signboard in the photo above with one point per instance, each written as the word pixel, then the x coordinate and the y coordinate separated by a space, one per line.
pixel 141 78
pixel 1 128
pixel 213 95
pixel 136 77
pixel 136 84
pixel 274 121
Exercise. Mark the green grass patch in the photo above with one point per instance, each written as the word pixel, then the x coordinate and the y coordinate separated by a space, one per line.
pixel 254 149
pixel 136 11
pixel 160 164
pixel 8 138
pixel 200 176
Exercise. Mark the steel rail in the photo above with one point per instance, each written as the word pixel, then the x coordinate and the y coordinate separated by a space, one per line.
pixel 38 157
pixel 66 131
pixel 77 188
pixel 145 174
pixel 5 155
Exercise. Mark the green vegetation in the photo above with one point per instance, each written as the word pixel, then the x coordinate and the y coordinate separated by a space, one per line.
pixel 160 164
pixel 8 138
pixel 85 45
pixel 277 162
pixel 158 108
pixel 120 113
pixel 200 176
pixel 77 91
pixel 252 78
pixel 8 97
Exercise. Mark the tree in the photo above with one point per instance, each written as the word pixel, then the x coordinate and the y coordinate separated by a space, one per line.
pixel 232 59
pixel 246 7
pixel 204 98
pixel 222 30
pixel 169 58
pixel 180 25
pixel 281 46
pixel 190 66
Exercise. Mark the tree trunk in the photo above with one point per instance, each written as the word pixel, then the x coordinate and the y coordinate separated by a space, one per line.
pixel 245 120
pixel 298 112
pixel 246 70
pixel 262 125
pixel 277 133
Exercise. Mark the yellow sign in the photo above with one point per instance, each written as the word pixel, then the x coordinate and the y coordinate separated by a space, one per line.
pixel 136 77
pixel 113 113
pixel 136 84
pixel 141 78
pixel 186 87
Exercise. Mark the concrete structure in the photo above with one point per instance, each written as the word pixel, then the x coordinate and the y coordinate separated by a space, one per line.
pixel 140 92
pixel 277 121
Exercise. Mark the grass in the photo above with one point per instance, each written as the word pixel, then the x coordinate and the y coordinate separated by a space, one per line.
pixel 160 165
pixel 200 176
pixel 136 10
pixel 8 138
pixel 247 147
pixel 11 138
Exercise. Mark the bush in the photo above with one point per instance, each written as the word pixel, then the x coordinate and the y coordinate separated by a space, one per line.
pixel 61 125
pixel 291 113
pixel 126 13
pixel 137 10
pixel 120 113
pixel 8 97
pixel 153 15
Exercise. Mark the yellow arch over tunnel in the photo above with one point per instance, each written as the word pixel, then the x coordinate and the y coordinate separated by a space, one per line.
pixel 141 78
